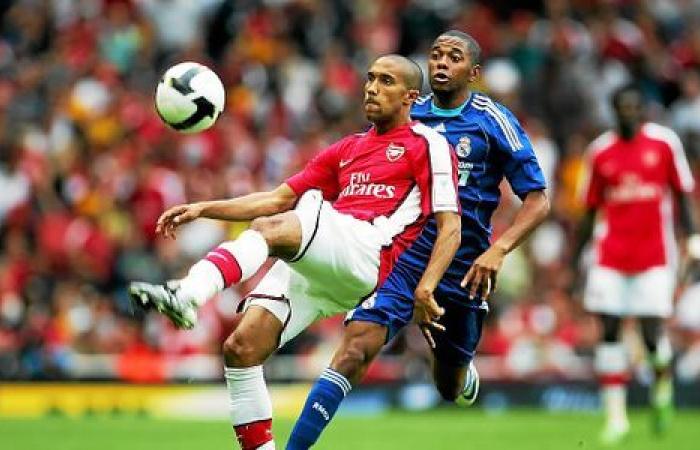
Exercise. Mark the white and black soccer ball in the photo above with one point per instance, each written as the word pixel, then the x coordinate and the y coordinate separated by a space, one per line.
pixel 190 97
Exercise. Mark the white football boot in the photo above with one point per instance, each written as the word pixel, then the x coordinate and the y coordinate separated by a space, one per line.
pixel 166 299
pixel 471 387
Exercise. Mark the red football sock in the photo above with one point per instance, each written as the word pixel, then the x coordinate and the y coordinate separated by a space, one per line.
pixel 252 435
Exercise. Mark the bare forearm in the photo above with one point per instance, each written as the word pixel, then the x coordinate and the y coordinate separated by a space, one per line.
pixel 446 245
pixel 583 235
pixel 686 217
pixel 533 211
pixel 249 206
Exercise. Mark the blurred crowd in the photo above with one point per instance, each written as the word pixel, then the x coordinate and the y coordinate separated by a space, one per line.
pixel 86 166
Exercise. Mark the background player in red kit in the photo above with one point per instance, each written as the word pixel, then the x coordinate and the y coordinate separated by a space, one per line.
pixel 338 226
pixel 635 173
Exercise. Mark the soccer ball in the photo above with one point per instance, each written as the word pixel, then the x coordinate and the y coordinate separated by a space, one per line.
pixel 189 97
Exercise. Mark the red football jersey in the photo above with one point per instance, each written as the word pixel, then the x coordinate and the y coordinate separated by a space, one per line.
pixel 404 175
pixel 632 181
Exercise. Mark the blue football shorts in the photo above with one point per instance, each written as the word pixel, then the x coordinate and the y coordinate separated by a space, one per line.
pixel 392 306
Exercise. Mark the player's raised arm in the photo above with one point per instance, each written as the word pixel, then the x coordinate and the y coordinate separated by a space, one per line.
pixel 318 174
pixel 247 207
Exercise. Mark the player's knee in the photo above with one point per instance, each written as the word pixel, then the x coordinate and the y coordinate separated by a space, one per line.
pixel 277 232
pixel 269 227
pixel 351 361
pixel 240 350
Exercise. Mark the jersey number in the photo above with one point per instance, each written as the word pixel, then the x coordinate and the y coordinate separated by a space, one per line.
pixel 464 176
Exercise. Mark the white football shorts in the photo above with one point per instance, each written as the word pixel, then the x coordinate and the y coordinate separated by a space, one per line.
pixel 336 268
pixel 645 294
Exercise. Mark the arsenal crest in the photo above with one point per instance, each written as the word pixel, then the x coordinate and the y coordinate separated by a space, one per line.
pixel 650 158
pixel 464 147
pixel 394 152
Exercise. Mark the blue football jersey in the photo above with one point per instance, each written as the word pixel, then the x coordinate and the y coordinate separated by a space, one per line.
pixel 490 144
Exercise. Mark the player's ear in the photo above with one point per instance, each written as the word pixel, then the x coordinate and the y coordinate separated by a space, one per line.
pixel 475 73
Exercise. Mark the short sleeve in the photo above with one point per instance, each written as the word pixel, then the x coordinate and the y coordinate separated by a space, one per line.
pixel 593 187
pixel 507 137
pixel 320 173
pixel 679 169
pixel 521 168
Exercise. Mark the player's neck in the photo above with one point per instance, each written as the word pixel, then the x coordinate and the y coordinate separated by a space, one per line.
pixel 391 124
pixel 450 100
pixel 628 132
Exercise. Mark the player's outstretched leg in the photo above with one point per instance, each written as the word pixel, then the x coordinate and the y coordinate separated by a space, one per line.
pixel 454 371
pixel 611 367
pixel 361 343
pixel 660 355
pixel 253 340
pixel 230 263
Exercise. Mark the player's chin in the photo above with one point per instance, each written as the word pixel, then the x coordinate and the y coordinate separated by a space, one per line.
pixel 374 114
pixel 441 87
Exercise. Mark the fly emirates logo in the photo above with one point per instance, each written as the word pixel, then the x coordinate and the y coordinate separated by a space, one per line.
pixel 632 189
pixel 360 184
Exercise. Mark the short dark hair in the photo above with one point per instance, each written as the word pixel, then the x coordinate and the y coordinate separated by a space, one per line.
pixel 473 47
pixel 624 89
pixel 414 79
pixel 413 74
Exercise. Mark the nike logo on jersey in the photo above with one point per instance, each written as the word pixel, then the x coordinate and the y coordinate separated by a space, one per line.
pixel 344 162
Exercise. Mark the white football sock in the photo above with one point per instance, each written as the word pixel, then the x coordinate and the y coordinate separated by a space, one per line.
pixel 250 250
pixel 202 282
pixel 205 279
pixel 248 397
pixel 611 366
pixel 615 403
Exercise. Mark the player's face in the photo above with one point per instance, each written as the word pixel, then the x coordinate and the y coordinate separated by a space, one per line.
pixel 386 93
pixel 450 65
pixel 630 109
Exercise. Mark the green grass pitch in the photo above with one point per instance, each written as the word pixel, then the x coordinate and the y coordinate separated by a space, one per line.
pixel 436 430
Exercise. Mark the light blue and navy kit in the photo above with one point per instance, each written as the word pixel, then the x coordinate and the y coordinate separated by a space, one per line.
pixel 490 144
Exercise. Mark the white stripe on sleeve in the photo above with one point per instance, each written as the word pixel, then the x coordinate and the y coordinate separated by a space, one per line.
pixel 680 162
pixel 444 192
pixel 485 104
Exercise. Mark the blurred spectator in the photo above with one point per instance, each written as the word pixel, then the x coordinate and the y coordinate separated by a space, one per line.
pixel 86 167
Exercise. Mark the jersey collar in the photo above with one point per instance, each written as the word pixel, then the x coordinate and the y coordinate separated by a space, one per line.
pixel 398 130
pixel 450 112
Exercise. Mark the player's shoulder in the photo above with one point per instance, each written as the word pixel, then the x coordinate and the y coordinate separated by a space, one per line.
pixel 350 139
pixel 498 120
pixel 658 132
pixel 490 108
pixel 432 138
pixel 422 106
pixel 601 144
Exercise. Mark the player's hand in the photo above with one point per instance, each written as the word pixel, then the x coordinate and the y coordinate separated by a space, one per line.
pixel 426 313
pixel 176 216
pixel 481 277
